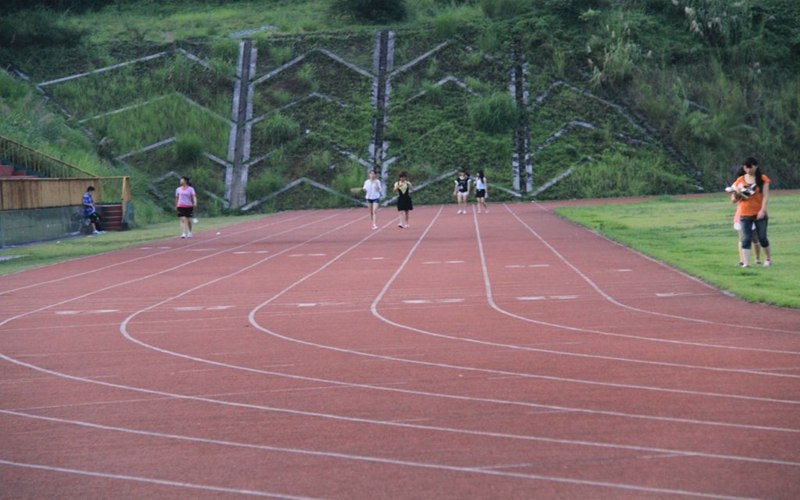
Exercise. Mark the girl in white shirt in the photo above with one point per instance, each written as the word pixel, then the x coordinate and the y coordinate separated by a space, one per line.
pixel 480 191
pixel 372 192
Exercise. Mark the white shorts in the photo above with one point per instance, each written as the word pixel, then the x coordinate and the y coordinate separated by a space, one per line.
pixel 738 226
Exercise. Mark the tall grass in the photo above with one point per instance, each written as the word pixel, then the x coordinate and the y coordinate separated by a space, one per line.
pixel 160 120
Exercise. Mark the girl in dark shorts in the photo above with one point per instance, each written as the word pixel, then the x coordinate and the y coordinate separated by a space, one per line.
pixel 185 201
pixel 403 189
pixel 480 191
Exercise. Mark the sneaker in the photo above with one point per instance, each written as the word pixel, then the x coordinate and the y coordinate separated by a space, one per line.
pixel 768 263
pixel 189 234
pixel 183 235
pixel 758 262
pixel 740 264
pixel 96 232
pixel 400 226
pixel 374 226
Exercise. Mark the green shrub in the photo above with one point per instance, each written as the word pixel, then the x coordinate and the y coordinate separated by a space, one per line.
pixel 454 21
pixel 188 148
pixel 278 128
pixel 307 76
pixel 433 93
pixel 280 55
pixel 11 88
pixel 263 185
pixel 495 114
pixel 38 27
pixel 505 9
pixel 371 11
pixel 350 175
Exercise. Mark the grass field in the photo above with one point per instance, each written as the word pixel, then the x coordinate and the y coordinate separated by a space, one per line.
pixel 13 259
pixel 694 234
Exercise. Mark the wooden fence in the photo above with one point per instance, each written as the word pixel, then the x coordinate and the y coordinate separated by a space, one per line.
pixel 30 193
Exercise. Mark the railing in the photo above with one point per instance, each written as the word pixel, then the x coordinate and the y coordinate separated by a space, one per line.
pixel 37 162
pixel 60 184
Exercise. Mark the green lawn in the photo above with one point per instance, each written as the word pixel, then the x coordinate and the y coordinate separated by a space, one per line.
pixel 696 235
pixel 24 257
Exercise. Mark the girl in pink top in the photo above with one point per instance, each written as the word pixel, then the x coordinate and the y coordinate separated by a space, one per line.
pixel 185 200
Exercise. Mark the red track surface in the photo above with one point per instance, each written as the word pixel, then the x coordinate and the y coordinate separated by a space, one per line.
pixel 500 355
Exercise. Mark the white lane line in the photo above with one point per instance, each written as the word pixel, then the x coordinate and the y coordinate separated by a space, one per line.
pixel 433 301
pixel 614 301
pixel 546 297
pixel 151 275
pixel 88 311
pixel 149 480
pixel 450 396
pixel 167 249
pixel 481 470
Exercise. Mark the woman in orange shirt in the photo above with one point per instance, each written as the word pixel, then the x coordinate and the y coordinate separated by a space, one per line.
pixel 737 224
pixel 753 209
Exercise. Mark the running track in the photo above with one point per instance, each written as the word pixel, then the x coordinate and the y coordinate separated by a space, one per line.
pixel 303 355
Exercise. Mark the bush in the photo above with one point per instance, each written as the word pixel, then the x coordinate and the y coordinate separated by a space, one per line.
pixel 188 148
pixel 504 9
pixel 39 27
pixel 278 128
pixel 266 183
pixel 371 11
pixel 495 114
pixel 10 88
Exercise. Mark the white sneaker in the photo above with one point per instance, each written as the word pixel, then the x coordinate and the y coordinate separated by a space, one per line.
pixel 183 235
pixel 768 263
pixel 374 226
pixel 189 234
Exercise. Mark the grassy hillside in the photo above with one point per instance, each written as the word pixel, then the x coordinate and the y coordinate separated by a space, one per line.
pixel 625 97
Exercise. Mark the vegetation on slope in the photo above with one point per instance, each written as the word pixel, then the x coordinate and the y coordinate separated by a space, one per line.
pixel 627 97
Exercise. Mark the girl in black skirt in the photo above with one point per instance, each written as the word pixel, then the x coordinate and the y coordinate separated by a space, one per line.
pixel 403 189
